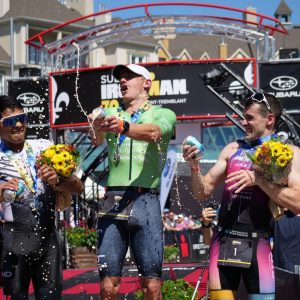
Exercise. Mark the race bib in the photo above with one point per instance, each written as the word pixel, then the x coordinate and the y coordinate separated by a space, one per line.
pixel 116 207
pixel 235 252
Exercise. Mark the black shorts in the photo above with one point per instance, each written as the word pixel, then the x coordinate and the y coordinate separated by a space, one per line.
pixel 258 278
pixel 31 254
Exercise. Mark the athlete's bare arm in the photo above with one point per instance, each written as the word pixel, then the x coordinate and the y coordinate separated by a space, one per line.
pixel 139 132
pixel 204 185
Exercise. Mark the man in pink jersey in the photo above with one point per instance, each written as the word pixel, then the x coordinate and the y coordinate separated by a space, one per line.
pixel 240 246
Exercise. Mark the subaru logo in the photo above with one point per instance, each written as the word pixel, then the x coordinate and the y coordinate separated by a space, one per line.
pixel 283 83
pixel 29 99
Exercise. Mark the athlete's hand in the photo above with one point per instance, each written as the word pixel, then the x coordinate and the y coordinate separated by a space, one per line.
pixel 189 154
pixel 11 184
pixel 107 124
pixel 96 123
pixel 111 124
pixel 240 180
pixel 48 174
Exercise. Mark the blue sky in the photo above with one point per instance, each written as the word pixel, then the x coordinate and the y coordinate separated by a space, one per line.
pixel 266 7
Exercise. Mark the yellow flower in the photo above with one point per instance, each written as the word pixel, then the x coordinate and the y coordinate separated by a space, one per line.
pixel 287 155
pixel 62 157
pixel 272 157
pixel 58 159
pixel 49 152
pixel 276 150
pixel 281 161
pixel 66 155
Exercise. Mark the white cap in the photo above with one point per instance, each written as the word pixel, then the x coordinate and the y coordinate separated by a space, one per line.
pixel 133 68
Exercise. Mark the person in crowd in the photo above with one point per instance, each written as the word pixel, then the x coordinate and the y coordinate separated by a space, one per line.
pixel 286 239
pixel 138 135
pixel 191 222
pixel 171 222
pixel 31 245
pixel 168 229
pixel 181 223
pixel 240 246
pixel 166 220
pixel 165 216
pixel 196 221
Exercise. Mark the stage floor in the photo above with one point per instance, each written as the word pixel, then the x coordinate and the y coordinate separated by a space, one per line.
pixel 83 284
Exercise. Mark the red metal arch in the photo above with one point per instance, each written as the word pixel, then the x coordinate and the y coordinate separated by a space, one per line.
pixel 38 40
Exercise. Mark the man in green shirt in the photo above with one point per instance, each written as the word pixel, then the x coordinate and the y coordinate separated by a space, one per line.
pixel 138 135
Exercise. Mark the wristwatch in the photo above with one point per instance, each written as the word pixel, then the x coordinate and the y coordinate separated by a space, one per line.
pixel 126 126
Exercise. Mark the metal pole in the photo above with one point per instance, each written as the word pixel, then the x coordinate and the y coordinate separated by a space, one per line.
pixel 257 66
pixel 12 47
pixel 266 47
pixel 27 47
pixel 76 209
pixel 201 274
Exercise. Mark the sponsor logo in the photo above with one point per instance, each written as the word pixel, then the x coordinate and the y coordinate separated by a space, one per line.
pixel 283 83
pixel 29 99
pixel 62 100
pixel 7 274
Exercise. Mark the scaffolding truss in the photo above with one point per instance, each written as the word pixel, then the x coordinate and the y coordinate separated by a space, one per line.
pixel 259 32
pixel 234 102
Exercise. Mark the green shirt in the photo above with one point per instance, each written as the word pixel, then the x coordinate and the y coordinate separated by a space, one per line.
pixel 141 162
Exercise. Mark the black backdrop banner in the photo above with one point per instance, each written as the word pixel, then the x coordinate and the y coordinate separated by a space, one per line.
pixel 34 97
pixel 177 86
pixel 282 79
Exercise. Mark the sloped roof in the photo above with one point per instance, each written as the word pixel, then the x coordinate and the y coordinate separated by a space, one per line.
pixel 197 44
pixel 43 9
pixel 283 9
pixel 3 55
pixel 291 40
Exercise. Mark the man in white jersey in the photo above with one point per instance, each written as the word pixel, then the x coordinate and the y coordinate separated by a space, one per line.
pixel 31 246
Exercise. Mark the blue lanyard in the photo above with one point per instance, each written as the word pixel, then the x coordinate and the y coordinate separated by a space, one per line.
pixel 134 119
pixel 253 144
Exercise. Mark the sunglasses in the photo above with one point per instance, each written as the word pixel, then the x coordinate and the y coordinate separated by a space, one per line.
pixel 13 120
pixel 261 98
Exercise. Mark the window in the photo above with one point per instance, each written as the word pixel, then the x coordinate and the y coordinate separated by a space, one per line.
pixel 34 56
pixel 137 58
pixel 215 138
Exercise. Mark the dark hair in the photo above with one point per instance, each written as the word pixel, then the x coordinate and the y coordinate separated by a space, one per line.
pixel 275 106
pixel 9 102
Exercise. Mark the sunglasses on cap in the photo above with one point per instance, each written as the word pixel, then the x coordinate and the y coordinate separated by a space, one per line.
pixel 13 120
pixel 261 98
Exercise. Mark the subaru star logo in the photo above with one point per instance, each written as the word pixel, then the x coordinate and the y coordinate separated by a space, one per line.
pixel 283 83
pixel 29 99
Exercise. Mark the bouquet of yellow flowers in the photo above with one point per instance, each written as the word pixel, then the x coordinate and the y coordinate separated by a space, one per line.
pixel 271 159
pixel 63 159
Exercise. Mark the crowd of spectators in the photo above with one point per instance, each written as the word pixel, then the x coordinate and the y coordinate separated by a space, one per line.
pixel 179 222
pixel 174 224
